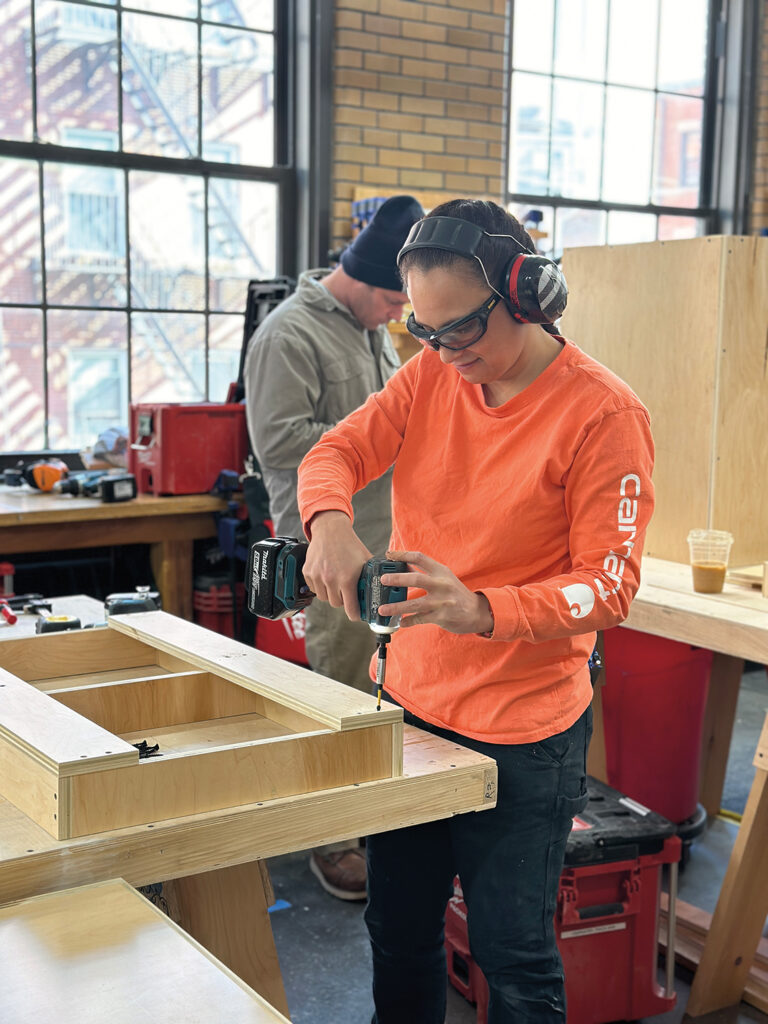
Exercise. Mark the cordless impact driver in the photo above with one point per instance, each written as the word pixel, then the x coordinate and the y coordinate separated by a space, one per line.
pixel 276 588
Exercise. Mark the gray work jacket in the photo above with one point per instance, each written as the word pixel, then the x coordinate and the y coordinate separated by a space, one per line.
pixel 308 365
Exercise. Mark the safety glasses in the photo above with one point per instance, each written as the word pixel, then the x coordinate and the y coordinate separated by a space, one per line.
pixel 460 333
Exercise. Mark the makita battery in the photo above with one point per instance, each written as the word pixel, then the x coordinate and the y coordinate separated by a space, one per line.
pixel 182 448
pixel 607 914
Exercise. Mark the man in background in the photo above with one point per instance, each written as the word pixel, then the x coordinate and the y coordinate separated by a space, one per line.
pixel 313 360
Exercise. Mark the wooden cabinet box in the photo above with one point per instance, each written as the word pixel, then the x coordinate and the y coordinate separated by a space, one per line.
pixel 234 726
pixel 684 324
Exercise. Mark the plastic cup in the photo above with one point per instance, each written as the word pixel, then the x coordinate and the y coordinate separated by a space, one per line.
pixel 709 550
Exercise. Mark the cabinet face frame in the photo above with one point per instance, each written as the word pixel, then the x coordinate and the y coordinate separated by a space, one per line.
pixel 235 726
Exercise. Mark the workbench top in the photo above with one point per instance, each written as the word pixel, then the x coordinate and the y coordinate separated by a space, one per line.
pixel 20 505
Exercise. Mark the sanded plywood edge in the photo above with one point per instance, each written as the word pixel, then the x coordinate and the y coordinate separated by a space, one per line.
pixel 172 786
pixel 60 740
pixel 761 754
pixel 72 653
pixel 326 701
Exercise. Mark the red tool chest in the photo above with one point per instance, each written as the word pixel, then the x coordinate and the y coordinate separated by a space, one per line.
pixel 607 914
pixel 182 448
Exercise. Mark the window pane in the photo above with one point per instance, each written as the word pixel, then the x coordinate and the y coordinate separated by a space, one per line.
pixel 543 227
pixel 677 163
pixel 224 345
pixel 580 37
pixel 22 409
pixel 20 258
pixel 167 241
pixel 628 151
pixel 683 46
pixel 159 86
pixel 242 238
pixel 248 13
pixel 87 375
pixel 680 227
pixel 181 8
pixel 238 102
pixel 167 357
pixel 84 235
pixel 529 134
pixel 532 26
pixel 577 121
pixel 632 42
pixel 76 48
pixel 626 227
pixel 574 227
pixel 15 70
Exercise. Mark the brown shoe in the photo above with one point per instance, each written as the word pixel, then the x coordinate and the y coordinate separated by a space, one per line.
pixel 343 874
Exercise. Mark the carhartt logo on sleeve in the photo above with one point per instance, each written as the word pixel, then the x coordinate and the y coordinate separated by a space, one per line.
pixel 580 596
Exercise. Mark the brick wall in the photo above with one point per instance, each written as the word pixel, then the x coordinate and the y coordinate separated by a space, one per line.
pixel 759 212
pixel 418 100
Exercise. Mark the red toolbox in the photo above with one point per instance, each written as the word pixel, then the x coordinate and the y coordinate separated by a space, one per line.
pixel 283 637
pixel 212 607
pixel 607 914
pixel 182 448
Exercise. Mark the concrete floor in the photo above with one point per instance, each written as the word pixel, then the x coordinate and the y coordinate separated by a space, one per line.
pixel 322 941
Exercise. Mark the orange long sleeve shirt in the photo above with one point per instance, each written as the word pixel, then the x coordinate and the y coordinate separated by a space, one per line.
pixel 541 504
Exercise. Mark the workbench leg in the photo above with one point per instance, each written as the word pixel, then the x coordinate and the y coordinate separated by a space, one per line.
pixel 227 912
pixel 171 562
pixel 719 716
pixel 742 906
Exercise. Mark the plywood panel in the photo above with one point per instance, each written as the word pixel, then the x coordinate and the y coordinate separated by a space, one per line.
pixel 105 953
pixel 169 787
pixel 650 313
pixel 740 494
pixel 59 654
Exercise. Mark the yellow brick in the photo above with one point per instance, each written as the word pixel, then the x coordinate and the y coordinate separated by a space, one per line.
pixel 468 38
pixel 444 126
pixel 359 5
pixel 405 9
pixel 352 154
pixel 380 175
pixel 401 122
pixel 421 142
pixel 445 90
pixel 382 62
pixel 465 184
pixel 466 147
pixel 490 23
pixel 346 172
pixel 446 54
pixel 433 162
pixel 446 16
pixel 470 75
pixel 382 26
pixel 420 105
pixel 376 137
pixel 430 33
pixel 423 69
pixel 475 166
pixel 478 95
pixel 353 115
pixel 398 158
pixel 353 79
pixel 347 97
pixel 401 47
pixel 355 40
pixel 496 151
pixel 479 130
pixel 380 101
pixel 421 179
pixel 349 19
pixel 470 111
pixel 401 84
pixel 348 58
pixel 347 134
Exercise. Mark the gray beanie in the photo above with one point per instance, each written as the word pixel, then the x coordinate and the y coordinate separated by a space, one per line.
pixel 372 256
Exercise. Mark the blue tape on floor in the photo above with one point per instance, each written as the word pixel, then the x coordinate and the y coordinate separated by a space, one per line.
pixel 279 905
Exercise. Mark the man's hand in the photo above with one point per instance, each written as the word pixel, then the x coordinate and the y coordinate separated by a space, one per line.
pixel 334 560
pixel 444 600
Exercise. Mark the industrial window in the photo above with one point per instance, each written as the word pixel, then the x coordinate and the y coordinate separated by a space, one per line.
pixel 609 105
pixel 145 175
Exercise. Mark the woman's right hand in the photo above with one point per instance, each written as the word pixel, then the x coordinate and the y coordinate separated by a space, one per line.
pixel 334 560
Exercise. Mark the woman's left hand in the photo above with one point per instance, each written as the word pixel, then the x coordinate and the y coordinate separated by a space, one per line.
pixel 446 602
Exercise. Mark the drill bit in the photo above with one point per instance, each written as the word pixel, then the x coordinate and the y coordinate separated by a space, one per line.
pixel 381 665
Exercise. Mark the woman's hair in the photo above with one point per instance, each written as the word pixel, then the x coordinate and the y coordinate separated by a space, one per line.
pixel 495 253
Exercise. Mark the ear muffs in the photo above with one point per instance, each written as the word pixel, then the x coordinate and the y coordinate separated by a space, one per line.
pixel 533 287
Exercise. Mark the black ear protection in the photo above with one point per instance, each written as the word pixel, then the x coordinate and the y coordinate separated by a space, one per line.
pixel 533 287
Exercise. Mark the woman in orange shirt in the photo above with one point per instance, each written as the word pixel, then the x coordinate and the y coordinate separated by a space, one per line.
pixel 521 494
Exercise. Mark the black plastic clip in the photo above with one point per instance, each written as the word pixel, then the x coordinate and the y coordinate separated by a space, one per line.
pixel 145 750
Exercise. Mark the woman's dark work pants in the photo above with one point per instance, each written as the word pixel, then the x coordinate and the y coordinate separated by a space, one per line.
pixel 509 860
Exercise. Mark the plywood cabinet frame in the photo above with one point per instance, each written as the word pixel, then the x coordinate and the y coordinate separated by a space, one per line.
pixel 235 726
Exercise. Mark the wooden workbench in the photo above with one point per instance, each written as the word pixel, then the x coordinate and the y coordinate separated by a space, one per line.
pixel 32 521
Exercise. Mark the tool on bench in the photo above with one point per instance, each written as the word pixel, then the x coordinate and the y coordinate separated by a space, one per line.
pixel 276 588
pixel 41 475
pixel 98 483
pixel 5 611
pixel 142 599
